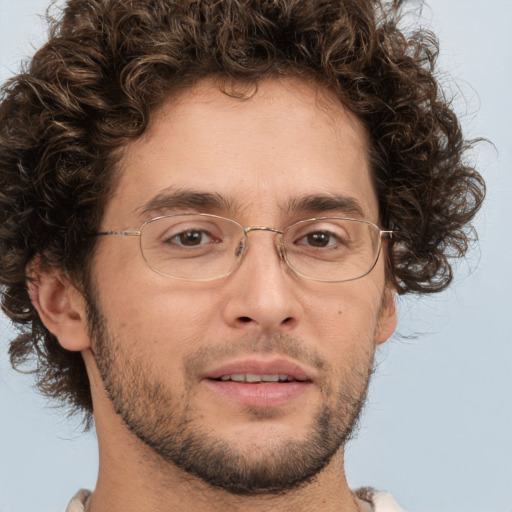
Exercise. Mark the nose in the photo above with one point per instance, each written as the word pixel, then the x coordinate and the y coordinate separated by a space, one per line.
pixel 262 293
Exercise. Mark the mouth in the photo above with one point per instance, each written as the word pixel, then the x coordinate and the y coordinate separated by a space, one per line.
pixel 260 370
pixel 254 378
pixel 257 383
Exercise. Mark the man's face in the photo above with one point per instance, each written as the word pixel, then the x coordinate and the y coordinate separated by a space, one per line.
pixel 171 352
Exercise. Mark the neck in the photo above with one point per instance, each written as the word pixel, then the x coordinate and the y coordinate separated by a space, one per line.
pixel 165 493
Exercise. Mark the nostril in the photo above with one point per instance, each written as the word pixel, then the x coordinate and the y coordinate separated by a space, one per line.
pixel 246 319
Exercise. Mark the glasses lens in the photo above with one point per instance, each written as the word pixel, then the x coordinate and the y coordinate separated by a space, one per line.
pixel 196 247
pixel 332 249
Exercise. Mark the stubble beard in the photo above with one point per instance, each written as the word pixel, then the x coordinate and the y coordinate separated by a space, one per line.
pixel 165 422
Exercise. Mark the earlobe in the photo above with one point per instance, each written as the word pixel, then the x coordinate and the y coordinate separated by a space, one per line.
pixel 61 308
pixel 388 319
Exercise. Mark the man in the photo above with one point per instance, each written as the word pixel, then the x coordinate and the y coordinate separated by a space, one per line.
pixel 207 209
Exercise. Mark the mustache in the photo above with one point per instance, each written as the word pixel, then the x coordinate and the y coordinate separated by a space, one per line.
pixel 278 344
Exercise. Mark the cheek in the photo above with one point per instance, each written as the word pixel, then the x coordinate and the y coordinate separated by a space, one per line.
pixel 164 318
pixel 345 316
pixel 151 312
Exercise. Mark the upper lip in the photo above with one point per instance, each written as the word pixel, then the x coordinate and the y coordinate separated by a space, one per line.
pixel 260 367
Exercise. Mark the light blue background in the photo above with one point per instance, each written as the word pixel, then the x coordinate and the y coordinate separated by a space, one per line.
pixel 437 431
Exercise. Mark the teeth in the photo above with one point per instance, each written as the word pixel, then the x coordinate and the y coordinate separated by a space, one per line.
pixel 251 377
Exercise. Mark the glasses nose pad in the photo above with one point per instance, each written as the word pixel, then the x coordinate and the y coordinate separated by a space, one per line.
pixel 280 247
pixel 240 249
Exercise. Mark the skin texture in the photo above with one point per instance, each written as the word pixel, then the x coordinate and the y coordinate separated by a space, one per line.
pixel 150 341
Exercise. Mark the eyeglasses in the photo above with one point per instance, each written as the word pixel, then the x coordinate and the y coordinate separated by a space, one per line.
pixel 204 247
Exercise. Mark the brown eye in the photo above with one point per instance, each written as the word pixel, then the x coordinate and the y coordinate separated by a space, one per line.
pixel 191 238
pixel 319 239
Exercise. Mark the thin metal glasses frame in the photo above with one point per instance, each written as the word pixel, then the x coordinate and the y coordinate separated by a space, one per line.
pixel 383 235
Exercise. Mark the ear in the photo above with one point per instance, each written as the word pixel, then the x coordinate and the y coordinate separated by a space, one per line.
pixel 388 318
pixel 61 308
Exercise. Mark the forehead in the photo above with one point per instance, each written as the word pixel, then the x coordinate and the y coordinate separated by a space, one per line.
pixel 264 154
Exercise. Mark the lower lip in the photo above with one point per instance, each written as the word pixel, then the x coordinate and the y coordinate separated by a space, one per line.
pixel 264 394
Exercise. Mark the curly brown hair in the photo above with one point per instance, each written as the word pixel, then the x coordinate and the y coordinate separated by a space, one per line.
pixel 108 64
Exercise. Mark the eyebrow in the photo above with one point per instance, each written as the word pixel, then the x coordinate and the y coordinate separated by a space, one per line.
pixel 170 199
pixel 319 203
